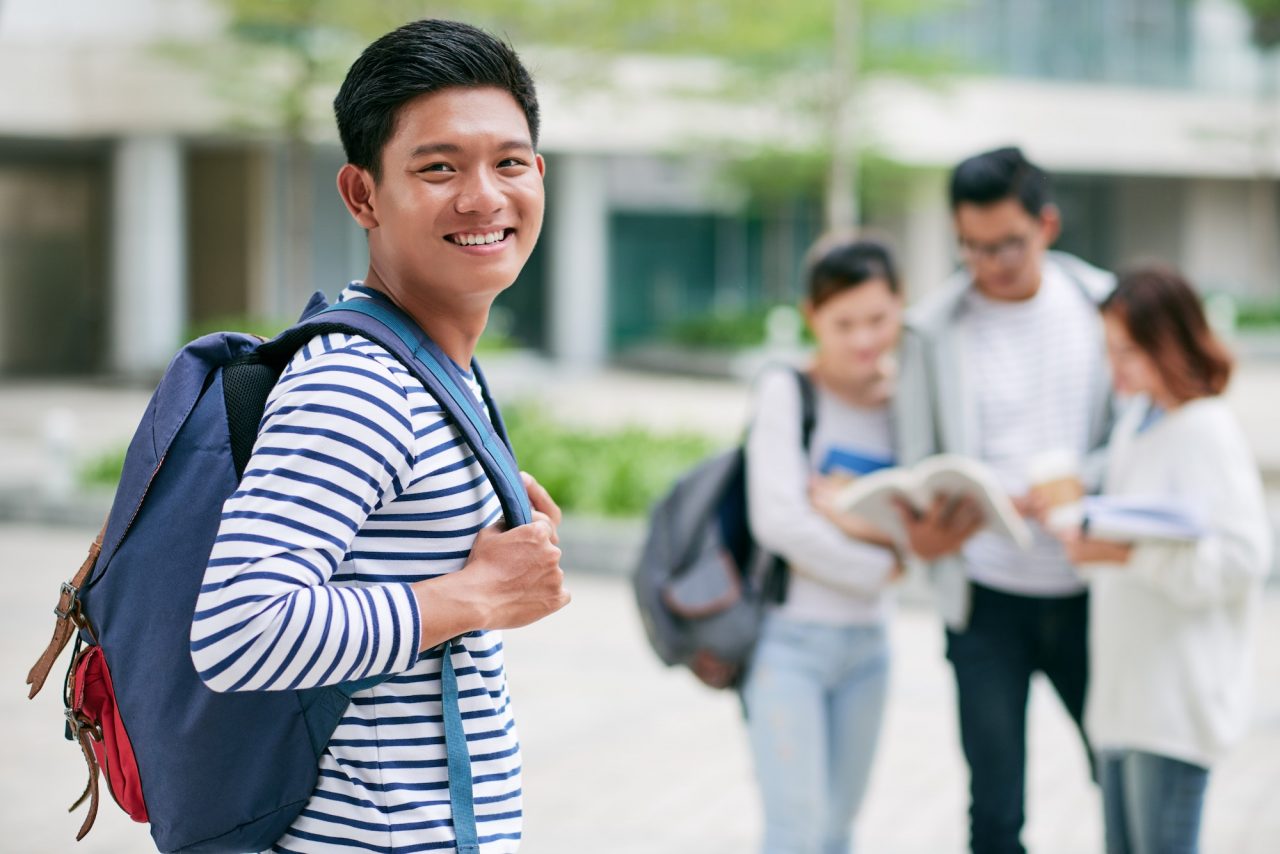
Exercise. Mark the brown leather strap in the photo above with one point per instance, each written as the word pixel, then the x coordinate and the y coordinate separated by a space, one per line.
pixel 84 735
pixel 69 618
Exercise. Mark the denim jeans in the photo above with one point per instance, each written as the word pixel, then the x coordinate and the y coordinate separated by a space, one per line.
pixel 1151 804
pixel 814 698
pixel 1008 639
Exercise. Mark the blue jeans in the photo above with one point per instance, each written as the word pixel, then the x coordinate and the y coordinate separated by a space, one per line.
pixel 814 697
pixel 1151 804
pixel 1008 639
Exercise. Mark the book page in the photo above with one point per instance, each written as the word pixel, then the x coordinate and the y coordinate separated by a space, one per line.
pixel 945 474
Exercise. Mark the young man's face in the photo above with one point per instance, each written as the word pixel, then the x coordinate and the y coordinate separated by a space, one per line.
pixel 460 202
pixel 1003 245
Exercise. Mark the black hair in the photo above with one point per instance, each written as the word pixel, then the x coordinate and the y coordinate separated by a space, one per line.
pixel 416 59
pixel 837 264
pixel 994 176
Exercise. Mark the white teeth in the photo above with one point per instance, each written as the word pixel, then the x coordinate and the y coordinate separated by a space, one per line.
pixel 478 239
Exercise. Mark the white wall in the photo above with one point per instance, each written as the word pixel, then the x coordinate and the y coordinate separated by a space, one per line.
pixel 1230 236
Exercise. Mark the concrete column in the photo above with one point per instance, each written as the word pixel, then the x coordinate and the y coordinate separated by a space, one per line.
pixel 149 255
pixel 579 265
pixel 1228 239
pixel 928 243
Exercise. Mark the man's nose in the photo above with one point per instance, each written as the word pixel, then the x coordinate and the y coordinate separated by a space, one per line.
pixel 480 194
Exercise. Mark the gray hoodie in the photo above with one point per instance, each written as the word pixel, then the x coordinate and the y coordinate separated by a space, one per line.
pixel 934 412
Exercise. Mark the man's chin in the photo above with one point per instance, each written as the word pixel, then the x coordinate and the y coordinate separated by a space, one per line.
pixel 1009 291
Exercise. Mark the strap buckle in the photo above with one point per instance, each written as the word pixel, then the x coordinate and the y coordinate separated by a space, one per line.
pixel 70 594
pixel 77 723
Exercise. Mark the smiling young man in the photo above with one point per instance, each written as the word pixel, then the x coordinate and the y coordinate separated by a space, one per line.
pixel 365 534
pixel 1003 363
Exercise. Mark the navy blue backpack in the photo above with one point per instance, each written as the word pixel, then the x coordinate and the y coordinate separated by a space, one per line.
pixel 175 753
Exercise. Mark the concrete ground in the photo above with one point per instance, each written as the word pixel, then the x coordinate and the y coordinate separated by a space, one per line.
pixel 623 756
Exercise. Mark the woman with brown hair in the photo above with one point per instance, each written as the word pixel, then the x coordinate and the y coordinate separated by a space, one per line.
pixel 1170 620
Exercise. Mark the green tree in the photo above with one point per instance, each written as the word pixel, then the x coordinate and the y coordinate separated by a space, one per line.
pixel 1265 15
pixel 810 54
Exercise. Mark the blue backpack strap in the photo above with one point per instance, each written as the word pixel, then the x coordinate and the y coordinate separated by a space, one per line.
pixel 382 322
pixel 461 796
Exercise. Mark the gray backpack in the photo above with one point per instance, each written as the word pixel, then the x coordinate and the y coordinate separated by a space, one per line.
pixel 703 581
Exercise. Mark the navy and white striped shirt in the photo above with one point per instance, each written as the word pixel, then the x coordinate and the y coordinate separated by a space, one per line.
pixel 358 486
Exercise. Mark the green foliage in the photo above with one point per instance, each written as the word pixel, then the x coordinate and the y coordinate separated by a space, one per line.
pixel 592 472
pixel 494 339
pixel 103 470
pixel 727 330
pixel 722 330
pixel 773 176
pixel 282 50
pixel 1258 314
pixel 250 325
pixel 1266 22
pixel 597 472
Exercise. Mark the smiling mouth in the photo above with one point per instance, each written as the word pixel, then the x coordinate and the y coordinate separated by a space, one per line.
pixel 484 238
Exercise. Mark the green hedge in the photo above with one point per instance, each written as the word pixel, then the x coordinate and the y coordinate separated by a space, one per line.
pixel 1258 315
pixel 493 340
pixel 592 472
pixel 727 330
pixel 601 472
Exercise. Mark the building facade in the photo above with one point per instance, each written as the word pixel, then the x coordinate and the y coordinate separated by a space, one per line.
pixel 135 206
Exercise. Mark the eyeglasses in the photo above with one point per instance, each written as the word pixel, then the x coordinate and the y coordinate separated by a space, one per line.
pixel 1009 252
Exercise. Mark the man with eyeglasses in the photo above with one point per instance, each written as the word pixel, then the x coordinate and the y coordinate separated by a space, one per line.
pixel 1005 363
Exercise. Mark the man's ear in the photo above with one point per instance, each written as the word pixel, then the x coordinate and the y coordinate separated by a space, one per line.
pixel 1050 224
pixel 808 311
pixel 541 164
pixel 357 186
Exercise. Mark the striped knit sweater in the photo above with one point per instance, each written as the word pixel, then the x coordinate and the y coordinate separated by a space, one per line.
pixel 357 487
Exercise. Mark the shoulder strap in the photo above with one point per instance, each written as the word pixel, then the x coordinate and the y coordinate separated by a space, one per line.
pixel 382 322
pixel 808 407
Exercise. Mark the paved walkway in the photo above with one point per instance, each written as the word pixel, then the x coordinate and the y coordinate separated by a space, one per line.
pixel 623 756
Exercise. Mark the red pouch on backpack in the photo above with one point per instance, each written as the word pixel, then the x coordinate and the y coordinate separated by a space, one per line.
pixel 94 704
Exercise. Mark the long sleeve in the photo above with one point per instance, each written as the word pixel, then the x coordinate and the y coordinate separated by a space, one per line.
pixel 782 518
pixel 336 441
pixel 1216 471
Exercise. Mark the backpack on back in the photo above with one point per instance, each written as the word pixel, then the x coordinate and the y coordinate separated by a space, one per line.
pixel 703 581
pixel 222 772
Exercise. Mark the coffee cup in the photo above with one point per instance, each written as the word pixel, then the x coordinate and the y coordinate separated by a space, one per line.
pixel 1054 479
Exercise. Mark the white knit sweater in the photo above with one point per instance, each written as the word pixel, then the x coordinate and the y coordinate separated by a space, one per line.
pixel 1170 632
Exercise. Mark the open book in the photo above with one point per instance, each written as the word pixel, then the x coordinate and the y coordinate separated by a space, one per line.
pixel 872 496
pixel 1129 519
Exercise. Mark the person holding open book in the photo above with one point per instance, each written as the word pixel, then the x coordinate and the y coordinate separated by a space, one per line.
pixel 1002 364
pixel 815 691
pixel 1170 618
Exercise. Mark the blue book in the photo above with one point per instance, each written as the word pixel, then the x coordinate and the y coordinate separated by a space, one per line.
pixel 853 461
pixel 1129 518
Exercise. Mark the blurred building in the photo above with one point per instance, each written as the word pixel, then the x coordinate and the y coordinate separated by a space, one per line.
pixel 136 206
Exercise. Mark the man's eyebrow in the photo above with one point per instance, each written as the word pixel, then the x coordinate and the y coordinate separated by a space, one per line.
pixel 453 148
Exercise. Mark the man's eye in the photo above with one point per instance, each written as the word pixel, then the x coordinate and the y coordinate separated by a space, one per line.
pixel 511 162
pixel 436 167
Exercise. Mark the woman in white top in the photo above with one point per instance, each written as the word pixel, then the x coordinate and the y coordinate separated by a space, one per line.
pixel 815 692
pixel 1171 621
